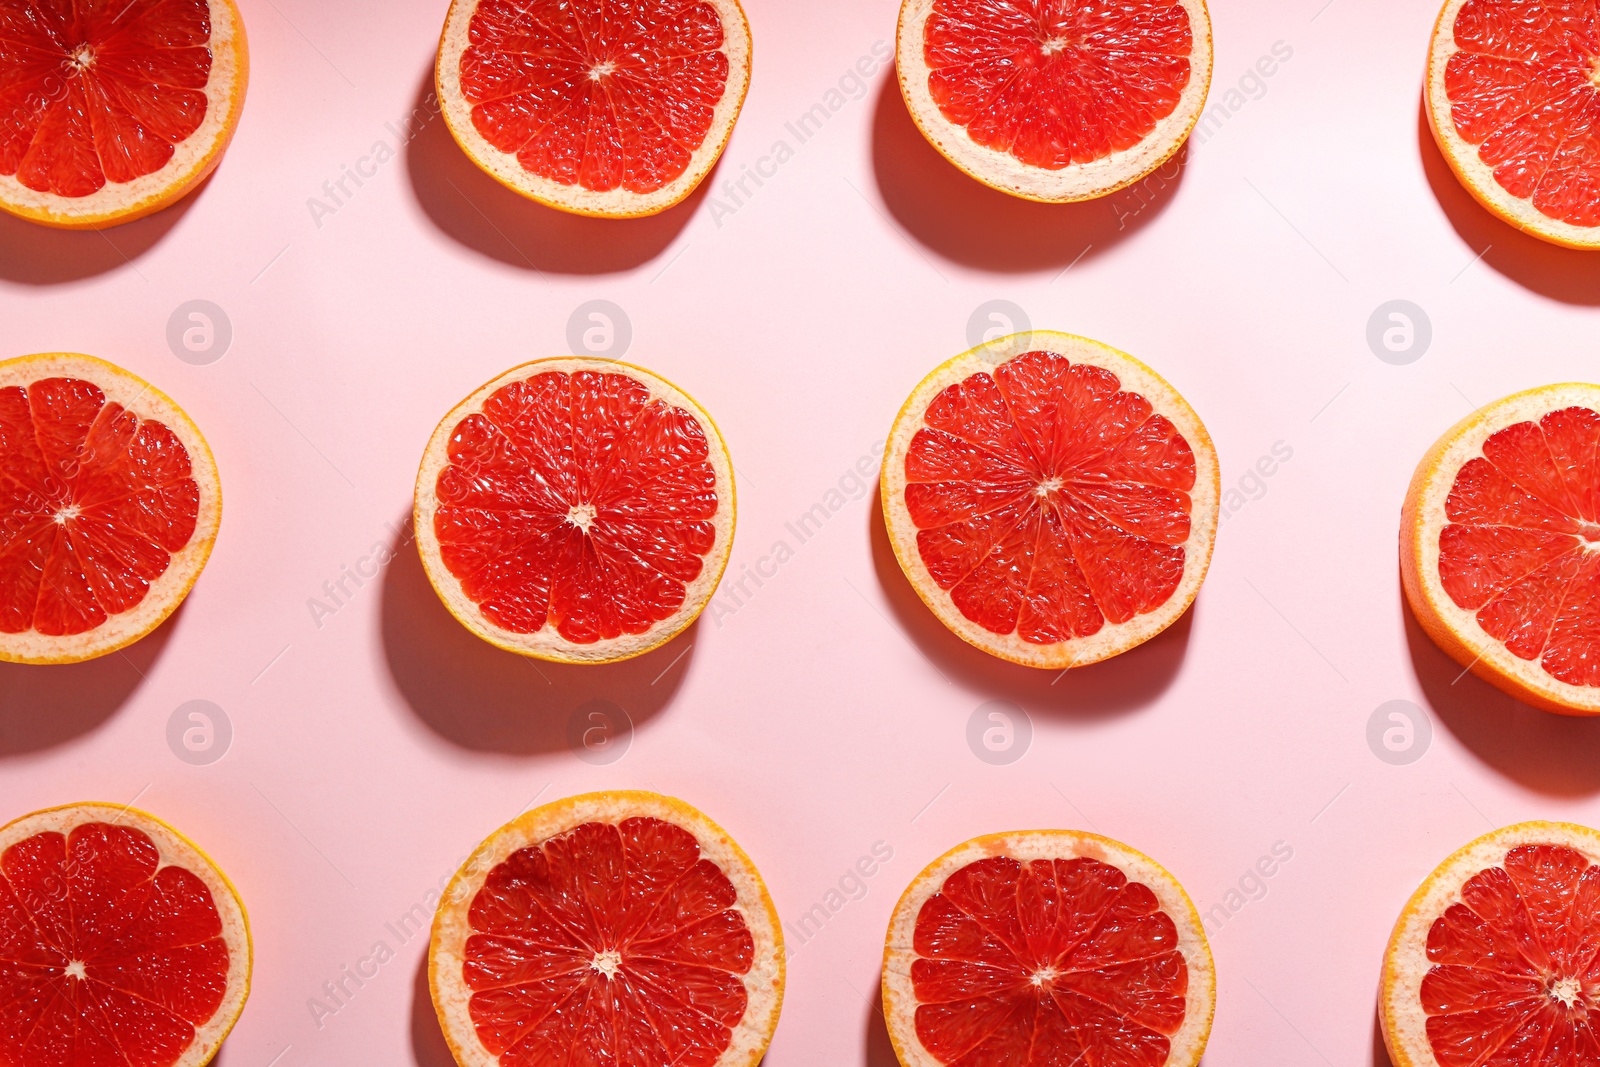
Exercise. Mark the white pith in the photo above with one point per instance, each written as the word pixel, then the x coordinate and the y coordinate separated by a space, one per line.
pixel 547 642
pixel 1112 638
pixel 174 850
pixel 192 158
pixel 505 168
pixel 899 993
pixel 1081 181
pixel 168 590
pixel 1406 962
pixel 1463 158
pixel 764 983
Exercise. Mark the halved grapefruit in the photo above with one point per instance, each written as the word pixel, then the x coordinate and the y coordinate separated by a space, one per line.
pixel 1500 546
pixel 120 943
pixel 1493 960
pixel 1047 947
pixel 109 506
pixel 597 107
pixel 110 111
pixel 1513 97
pixel 576 510
pixel 1055 100
pixel 617 928
pixel 1051 499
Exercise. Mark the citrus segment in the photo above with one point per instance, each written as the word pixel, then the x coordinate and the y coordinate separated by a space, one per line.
pixel 1054 507
pixel 111 111
pixel 1514 100
pixel 108 508
pixel 617 928
pixel 1055 100
pixel 602 108
pixel 1501 548
pixel 119 943
pixel 1046 948
pixel 1493 959
pixel 576 509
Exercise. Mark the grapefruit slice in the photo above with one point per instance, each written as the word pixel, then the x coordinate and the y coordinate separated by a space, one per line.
pixel 120 943
pixel 1047 947
pixel 109 506
pixel 1513 97
pixel 576 510
pixel 593 106
pixel 1500 546
pixel 1054 507
pixel 111 111
pixel 1055 100
pixel 621 928
pixel 1493 960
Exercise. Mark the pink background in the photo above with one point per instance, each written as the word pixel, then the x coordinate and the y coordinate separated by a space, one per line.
pixel 829 712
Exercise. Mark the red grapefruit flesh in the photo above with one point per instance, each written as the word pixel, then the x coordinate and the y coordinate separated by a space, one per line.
pixel 1054 508
pixel 108 508
pixel 1493 960
pixel 119 943
pixel 1501 545
pixel 1047 948
pixel 615 928
pixel 1055 99
pixel 110 111
pixel 578 510
pixel 605 107
pixel 1514 101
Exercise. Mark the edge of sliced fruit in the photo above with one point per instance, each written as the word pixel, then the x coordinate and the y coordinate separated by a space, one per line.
pixel 504 168
pixel 1003 171
pixel 1462 155
pixel 899 994
pixel 547 643
pixel 1405 960
pixel 1112 639
pixel 451 926
pixel 192 161
pixel 1422 516
pixel 168 591
pixel 173 847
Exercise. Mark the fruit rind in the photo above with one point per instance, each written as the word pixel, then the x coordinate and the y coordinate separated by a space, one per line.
pixel 1002 171
pixel 546 643
pixel 574 199
pixel 174 847
pixel 1113 638
pixel 1422 516
pixel 230 76
pixel 899 996
pixel 764 983
pixel 168 591
pixel 1462 156
pixel 1405 961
